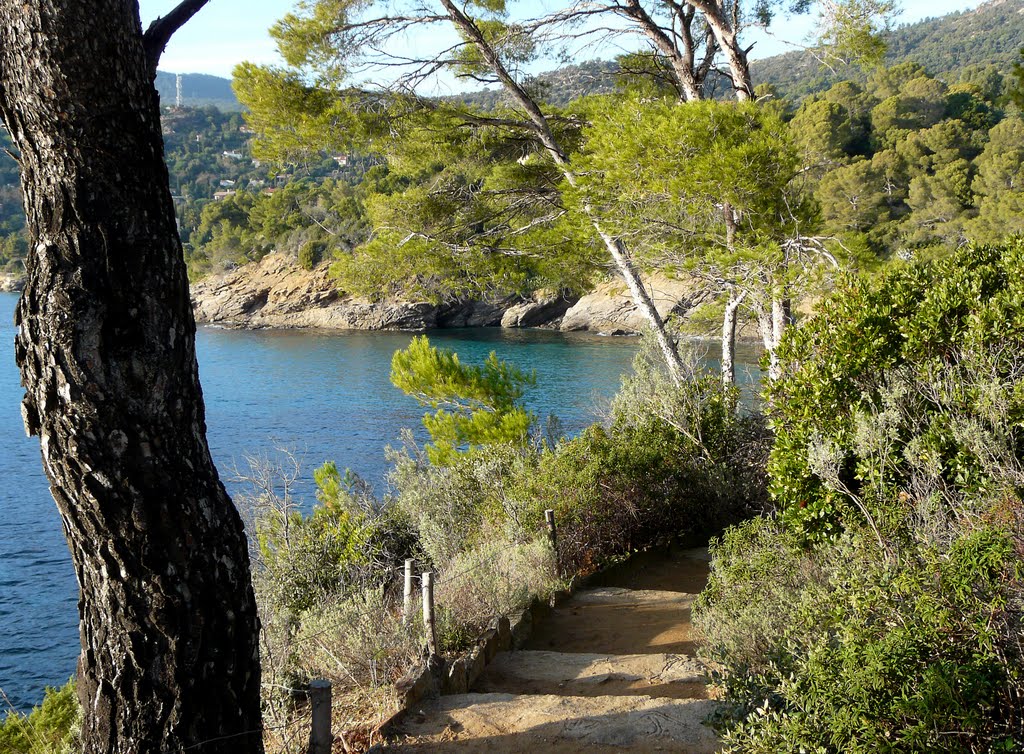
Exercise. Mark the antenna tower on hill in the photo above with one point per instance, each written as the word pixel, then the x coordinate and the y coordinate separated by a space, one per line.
pixel 177 99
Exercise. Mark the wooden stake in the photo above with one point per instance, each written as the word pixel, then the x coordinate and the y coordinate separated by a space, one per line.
pixel 428 613
pixel 320 738
pixel 549 517
pixel 407 594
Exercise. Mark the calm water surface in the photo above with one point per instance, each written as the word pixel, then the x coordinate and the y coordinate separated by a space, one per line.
pixel 325 396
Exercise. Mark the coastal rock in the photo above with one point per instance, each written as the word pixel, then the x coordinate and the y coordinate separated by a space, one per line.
pixel 472 314
pixel 11 283
pixel 276 292
pixel 545 309
pixel 609 309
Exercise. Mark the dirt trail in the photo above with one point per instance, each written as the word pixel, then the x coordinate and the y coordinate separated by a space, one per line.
pixel 610 670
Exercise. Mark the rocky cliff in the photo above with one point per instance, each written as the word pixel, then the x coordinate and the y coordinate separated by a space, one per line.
pixel 277 293
pixel 11 283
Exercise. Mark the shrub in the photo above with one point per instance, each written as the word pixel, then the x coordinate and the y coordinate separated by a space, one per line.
pixel 910 381
pixel 496 577
pixel 51 728
pixel 881 611
pixel 311 254
pixel 840 649
pixel 358 641
pixel 672 461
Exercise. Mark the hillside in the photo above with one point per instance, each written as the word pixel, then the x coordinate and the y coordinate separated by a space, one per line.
pixel 197 90
pixel 991 34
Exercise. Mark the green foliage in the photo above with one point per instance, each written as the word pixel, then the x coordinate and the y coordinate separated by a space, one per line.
pixel 304 218
pixel 1015 90
pixel 672 461
pixel 311 253
pixel 306 559
pixel 999 184
pixel 659 172
pixel 852 30
pixel 476 404
pixel 851 649
pixel 880 610
pixel 908 354
pixel 51 728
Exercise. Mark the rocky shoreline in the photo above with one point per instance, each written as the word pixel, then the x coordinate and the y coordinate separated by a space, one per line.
pixel 277 293
pixel 11 283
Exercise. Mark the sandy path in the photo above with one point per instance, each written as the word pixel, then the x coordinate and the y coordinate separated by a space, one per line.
pixel 610 670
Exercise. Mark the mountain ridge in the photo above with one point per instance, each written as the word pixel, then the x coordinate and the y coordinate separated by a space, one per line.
pixel 991 34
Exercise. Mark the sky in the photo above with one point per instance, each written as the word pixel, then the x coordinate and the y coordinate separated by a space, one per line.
pixel 227 32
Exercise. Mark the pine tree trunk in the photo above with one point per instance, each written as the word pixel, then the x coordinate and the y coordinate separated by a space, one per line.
pixel 772 322
pixel 106 348
pixel 729 338
pixel 545 135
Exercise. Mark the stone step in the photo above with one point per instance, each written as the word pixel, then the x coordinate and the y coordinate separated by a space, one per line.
pixel 584 674
pixel 499 723
pixel 617 595
pixel 615 620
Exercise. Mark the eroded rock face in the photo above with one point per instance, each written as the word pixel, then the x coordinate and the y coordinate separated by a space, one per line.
pixel 609 309
pixel 277 293
pixel 11 283
pixel 545 309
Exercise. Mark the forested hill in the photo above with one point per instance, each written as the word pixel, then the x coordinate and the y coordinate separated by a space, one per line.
pixel 991 34
pixel 197 90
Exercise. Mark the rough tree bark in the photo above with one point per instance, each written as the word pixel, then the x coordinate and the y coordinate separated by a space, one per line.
pixel 106 348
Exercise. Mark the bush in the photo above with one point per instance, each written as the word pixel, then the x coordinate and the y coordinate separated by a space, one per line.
pixel 496 577
pixel 51 728
pixel 911 382
pixel 841 649
pixel 673 461
pixel 311 254
pixel 881 611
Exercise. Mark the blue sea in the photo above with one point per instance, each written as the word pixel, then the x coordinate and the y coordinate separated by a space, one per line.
pixel 321 396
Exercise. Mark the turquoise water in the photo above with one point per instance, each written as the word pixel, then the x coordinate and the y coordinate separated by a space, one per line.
pixel 323 396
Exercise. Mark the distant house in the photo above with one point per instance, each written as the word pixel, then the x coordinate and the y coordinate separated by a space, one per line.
pixel 227 183
pixel 232 155
pixel 246 130
pixel 218 195
pixel 341 159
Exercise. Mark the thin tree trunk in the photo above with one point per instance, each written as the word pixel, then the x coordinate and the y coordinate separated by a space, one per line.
pixel 542 128
pixel 725 33
pixel 106 348
pixel 682 61
pixel 729 338
pixel 772 323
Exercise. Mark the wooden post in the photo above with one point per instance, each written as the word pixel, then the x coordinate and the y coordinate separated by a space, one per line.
pixel 549 517
pixel 320 738
pixel 407 594
pixel 428 613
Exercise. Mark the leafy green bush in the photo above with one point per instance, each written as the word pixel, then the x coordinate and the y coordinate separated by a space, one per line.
pixel 51 728
pixel 912 380
pixel 311 254
pixel 673 461
pixel 842 649
pixel 881 610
